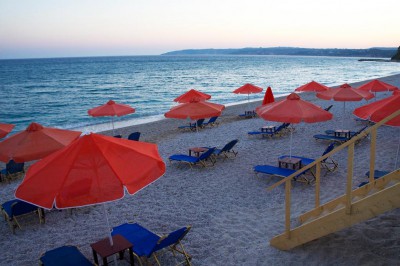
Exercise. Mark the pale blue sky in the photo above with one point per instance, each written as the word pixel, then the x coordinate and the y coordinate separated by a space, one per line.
pixel 58 28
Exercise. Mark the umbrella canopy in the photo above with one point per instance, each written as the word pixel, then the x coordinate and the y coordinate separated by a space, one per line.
pixel 111 108
pixel 91 170
pixel 377 86
pixel 312 86
pixel 268 97
pixel 35 142
pixel 248 89
pixel 293 110
pixel 5 129
pixel 195 110
pixel 378 110
pixel 345 93
pixel 192 95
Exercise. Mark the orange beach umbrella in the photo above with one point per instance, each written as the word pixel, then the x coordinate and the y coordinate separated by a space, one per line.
pixel 112 109
pixel 312 86
pixel 35 142
pixel 248 89
pixel 192 95
pixel 93 169
pixel 5 129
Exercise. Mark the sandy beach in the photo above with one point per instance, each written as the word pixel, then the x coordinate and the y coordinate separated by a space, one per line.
pixel 232 214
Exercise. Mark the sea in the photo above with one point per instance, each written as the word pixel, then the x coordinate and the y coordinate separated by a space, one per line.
pixel 58 92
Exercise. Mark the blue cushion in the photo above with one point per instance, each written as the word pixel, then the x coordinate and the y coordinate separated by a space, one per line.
pixel 143 240
pixel 64 256
pixel 273 170
pixel 184 158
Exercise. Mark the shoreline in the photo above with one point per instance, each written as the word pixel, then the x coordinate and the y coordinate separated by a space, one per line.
pixel 232 214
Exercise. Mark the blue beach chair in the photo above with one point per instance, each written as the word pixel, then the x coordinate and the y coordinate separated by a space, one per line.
pixel 279 172
pixel 193 126
pixel 193 160
pixel 134 136
pixel 16 208
pixel 147 244
pixel 64 256
pixel 227 149
pixel 211 122
pixel 328 163
pixel 12 168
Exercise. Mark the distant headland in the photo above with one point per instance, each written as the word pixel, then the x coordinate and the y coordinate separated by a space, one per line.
pixel 375 52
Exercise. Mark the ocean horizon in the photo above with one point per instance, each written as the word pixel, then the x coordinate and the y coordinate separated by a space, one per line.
pixel 57 92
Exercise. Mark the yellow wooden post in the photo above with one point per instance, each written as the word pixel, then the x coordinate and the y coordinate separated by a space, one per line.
pixel 287 207
pixel 372 156
pixel 350 166
pixel 317 183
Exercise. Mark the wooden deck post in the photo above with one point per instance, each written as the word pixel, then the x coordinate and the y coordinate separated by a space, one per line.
pixel 350 166
pixel 287 207
pixel 317 184
pixel 372 156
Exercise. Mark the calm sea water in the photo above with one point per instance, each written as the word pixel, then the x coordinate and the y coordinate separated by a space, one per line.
pixel 58 92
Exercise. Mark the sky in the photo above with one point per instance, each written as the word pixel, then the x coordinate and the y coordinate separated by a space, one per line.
pixel 70 28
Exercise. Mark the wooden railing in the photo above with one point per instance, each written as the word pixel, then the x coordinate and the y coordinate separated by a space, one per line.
pixel 350 164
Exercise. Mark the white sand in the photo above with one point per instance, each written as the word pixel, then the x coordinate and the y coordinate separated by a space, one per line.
pixel 233 216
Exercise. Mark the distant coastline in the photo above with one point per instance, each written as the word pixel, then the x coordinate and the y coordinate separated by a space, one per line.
pixel 375 52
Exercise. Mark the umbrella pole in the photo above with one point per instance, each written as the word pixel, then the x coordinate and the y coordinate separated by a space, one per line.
pixel 112 121
pixel 344 113
pixel 291 135
pixel 109 232
pixel 397 155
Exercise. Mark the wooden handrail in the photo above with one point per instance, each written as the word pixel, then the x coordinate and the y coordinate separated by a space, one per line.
pixel 350 143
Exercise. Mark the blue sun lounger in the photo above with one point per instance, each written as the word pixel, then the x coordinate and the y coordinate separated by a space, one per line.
pixel 64 256
pixel 193 126
pixel 377 174
pixel 328 163
pixel 15 208
pixel 146 244
pixel 193 160
pixel 280 172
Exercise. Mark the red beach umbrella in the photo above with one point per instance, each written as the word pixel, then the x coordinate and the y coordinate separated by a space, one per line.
pixel 35 142
pixel 312 86
pixel 377 86
pixel 195 110
pixel 112 109
pixel 293 110
pixel 91 170
pixel 345 93
pixel 378 110
pixel 268 96
pixel 192 95
pixel 5 129
pixel 248 89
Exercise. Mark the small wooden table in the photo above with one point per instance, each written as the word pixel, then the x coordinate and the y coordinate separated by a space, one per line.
pixel 105 250
pixel 269 129
pixel 342 133
pixel 196 151
pixel 290 163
